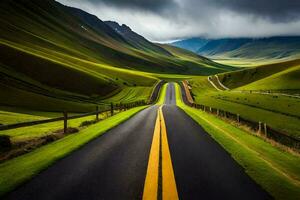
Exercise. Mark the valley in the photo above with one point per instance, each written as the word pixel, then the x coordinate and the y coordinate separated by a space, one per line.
pixel 163 109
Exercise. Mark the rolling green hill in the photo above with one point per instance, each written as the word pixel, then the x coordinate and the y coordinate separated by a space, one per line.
pixel 266 93
pixel 64 56
pixel 280 77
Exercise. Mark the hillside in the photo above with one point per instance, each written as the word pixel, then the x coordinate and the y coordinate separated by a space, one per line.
pixel 135 39
pixel 191 44
pixel 266 93
pixel 193 59
pixel 65 56
pixel 279 77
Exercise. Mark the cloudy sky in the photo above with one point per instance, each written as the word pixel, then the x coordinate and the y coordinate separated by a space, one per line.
pixel 165 20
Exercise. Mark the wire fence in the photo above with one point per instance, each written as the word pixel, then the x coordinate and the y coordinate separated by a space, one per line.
pixel 112 109
pixel 260 127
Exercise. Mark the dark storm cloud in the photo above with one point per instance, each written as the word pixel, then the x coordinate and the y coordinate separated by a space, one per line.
pixel 276 10
pixel 146 5
pixel 161 20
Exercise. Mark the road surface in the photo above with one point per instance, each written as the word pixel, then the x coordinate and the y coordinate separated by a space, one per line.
pixel 202 168
pixel 160 149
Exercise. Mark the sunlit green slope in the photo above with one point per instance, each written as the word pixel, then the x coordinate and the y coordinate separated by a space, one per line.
pixel 64 56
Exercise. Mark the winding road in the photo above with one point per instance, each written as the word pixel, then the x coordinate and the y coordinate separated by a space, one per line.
pixel 160 153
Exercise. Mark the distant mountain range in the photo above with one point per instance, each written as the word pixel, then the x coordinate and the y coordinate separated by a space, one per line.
pixel 272 47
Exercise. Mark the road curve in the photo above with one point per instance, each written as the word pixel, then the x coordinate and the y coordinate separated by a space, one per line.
pixel 202 168
pixel 112 166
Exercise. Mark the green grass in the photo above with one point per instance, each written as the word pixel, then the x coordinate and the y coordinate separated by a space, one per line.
pixel 276 76
pixel 33 113
pixel 286 81
pixel 162 95
pixel 36 131
pixel 276 171
pixel 281 104
pixel 192 59
pixel 18 170
pixel 250 62
pixel 131 94
pixel 19 98
pixel 12 118
pixel 279 112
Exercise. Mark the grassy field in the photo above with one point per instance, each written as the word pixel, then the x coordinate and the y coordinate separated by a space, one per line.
pixel 257 94
pixel 276 171
pixel 12 117
pixel 251 62
pixel 26 133
pixel 280 76
pixel 131 94
pixel 23 168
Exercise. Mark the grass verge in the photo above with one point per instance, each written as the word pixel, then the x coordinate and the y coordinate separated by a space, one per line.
pixel 162 94
pixel 23 168
pixel 275 170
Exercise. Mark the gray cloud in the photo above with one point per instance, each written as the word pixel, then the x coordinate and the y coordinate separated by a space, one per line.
pixel 147 5
pixel 276 10
pixel 173 19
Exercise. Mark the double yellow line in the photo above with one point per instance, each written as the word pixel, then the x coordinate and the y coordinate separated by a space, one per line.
pixel 160 140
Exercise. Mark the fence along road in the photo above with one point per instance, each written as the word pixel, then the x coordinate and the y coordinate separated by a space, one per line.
pixel 152 99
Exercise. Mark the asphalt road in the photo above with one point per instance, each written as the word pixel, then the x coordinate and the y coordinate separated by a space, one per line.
pixel 202 168
pixel 170 98
pixel 114 165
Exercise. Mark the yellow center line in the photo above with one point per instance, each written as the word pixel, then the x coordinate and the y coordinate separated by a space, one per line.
pixel 151 182
pixel 169 190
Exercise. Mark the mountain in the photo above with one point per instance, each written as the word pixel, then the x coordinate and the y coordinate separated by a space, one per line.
pixel 191 44
pixel 272 47
pixel 215 47
pixel 135 39
pixel 51 52
pixel 268 48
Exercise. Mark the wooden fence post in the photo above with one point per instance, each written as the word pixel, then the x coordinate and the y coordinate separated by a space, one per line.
pixel 97 113
pixel 259 127
pixel 265 129
pixel 65 121
pixel 111 109
pixel 238 117
pixel 218 112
